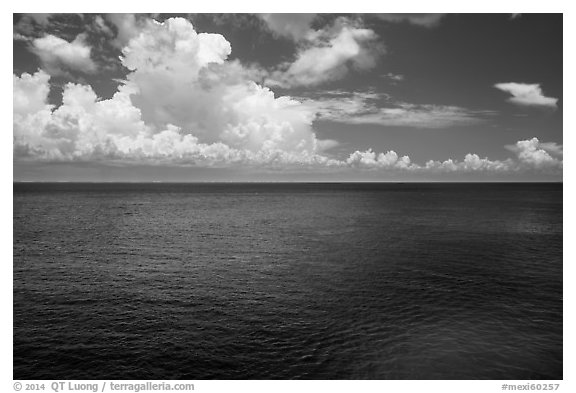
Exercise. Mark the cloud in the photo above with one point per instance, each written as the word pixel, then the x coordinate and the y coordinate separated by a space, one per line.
pixel 424 20
pixel 552 148
pixel 32 112
pixel 59 56
pixel 420 116
pixel 184 102
pixel 534 154
pixel 341 106
pixel 30 93
pixel 85 128
pixel 183 78
pixel 370 159
pixel 298 26
pixel 531 156
pixel 329 54
pixel 20 37
pixel 41 19
pixel 393 77
pixel 379 109
pixel 100 25
pixel 293 26
pixel 127 26
pixel 31 23
pixel 525 94
pixel 472 163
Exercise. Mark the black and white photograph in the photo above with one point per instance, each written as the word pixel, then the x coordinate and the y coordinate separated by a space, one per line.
pixel 279 196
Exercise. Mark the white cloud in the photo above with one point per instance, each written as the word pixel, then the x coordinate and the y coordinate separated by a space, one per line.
pixel 329 54
pixel 552 148
pixel 393 77
pixel 420 116
pixel 128 26
pixel 182 100
pixel 372 108
pixel 59 56
pixel 531 156
pixel 32 112
pixel 294 26
pixel 534 154
pixel 87 129
pixel 183 78
pixel 527 94
pixel 340 106
pixel 101 26
pixel 184 103
pixel 370 159
pixel 30 93
pixel 20 37
pixel 471 163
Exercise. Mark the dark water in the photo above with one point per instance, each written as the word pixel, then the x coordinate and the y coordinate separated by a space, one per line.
pixel 256 281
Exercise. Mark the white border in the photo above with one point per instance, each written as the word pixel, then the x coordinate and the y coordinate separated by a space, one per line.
pixel 509 6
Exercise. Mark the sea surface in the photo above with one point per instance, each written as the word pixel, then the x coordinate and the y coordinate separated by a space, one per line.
pixel 287 281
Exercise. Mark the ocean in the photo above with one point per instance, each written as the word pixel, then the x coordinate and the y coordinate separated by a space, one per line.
pixel 287 281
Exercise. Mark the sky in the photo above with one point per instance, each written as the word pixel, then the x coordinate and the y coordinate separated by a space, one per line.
pixel 287 97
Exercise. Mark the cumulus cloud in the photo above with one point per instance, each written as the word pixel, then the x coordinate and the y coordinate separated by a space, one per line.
pixel 329 54
pixel 370 159
pixel 59 56
pixel 525 94
pixel 534 154
pixel 183 78
pixel 127 26
pixel 100 25
pixel 182 99
pixel 471 163
pixel 30 93
pixel 81 128
pixel 392 162
pixel 85 128
pixel 531 156
pixel 293 26
pixel 31 109
pixel 372 108
pixel 183 102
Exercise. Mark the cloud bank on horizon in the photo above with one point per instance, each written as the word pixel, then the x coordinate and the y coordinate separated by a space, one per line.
pixel 185 101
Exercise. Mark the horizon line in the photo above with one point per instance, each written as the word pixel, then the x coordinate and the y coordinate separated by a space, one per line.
pixel 278 182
